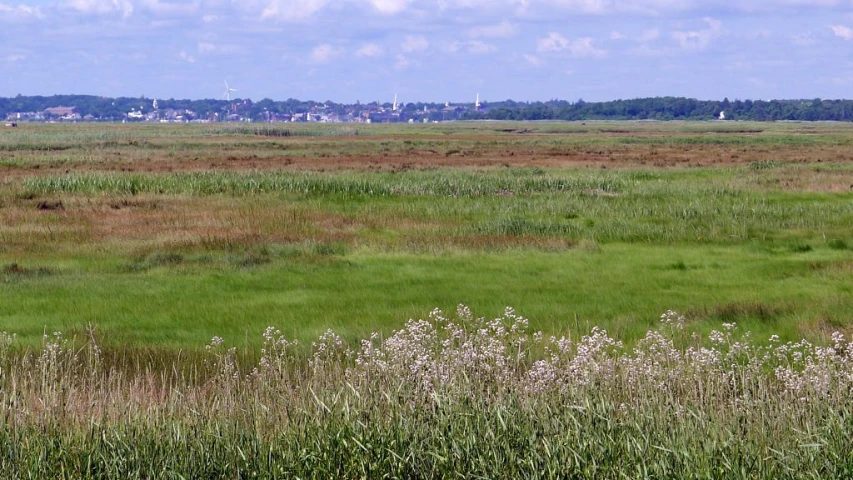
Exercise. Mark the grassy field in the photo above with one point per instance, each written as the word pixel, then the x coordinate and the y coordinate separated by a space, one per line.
pixel 166 235
pixel 140 243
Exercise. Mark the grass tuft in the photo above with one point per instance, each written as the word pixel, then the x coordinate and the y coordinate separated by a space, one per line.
pixel 16 270
pixel 838 244
pixel 738 311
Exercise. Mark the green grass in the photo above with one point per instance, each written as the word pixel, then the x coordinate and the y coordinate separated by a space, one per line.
pixel 460 183
pixel 182 301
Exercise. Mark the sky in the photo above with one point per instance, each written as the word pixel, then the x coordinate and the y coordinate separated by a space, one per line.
pixel 428 50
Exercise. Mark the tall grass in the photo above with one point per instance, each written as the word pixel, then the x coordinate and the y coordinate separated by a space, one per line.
pixel 460 183
pixel 452 395
pixel 273 130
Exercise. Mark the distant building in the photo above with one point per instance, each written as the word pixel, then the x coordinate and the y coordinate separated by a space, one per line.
pixel 60 111
pixel 27 116
pixel 450 112
pixel 384 117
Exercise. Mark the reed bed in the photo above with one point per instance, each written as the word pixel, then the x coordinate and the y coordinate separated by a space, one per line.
pixel 446 396
pixel 456 184
pixel 272 130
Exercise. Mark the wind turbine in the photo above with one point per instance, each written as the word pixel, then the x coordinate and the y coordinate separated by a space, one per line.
pixel 394 108
pixel 477 103
pixel 228 91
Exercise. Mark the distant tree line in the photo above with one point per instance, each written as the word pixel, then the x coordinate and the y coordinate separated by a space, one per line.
pixel 658 108
pixel 671 108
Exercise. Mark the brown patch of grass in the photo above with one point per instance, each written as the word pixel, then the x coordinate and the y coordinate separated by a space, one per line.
pixel 438 243
pixel 15 269
pixel 134 224
pixel 798 177
pixel 47 205
pixel 478 148
pixel 823 326
pixel 138 203
pixel 835 268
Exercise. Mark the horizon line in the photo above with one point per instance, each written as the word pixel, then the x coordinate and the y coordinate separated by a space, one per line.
pixel 359 102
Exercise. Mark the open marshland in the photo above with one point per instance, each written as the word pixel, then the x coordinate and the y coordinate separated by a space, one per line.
pixel 166 235
pixel 141 243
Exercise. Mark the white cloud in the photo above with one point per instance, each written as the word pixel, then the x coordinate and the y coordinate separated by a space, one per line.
pixel 369 50
pixel 581 47
pixel 699 39
pixel 292 10
pixel 533 60
pixel 102 7
pixel 401 62
pixel 481 4
pixel 655 8
pixel 474 47
pixel 554 42
pixel 414 43
pixel 614 35
pixel 220 49
pixel 390 7
pixel 642 7
pixel 19 12
pixel 323 53
pixel 210 48
pixel 480 48
pixel 514 7
pixel 186 57
pixel 161 7
pixel 13 58
pixel 502 30
pixel 843 32
pixel 606 7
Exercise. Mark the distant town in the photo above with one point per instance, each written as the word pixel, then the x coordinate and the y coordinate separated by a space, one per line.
pixel 80 108
pixel 87 108
pixel 243 112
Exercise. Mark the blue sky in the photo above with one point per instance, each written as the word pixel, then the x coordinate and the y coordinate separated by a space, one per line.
pixel 429 50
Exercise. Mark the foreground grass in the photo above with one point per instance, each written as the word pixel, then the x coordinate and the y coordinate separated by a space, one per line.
pixel 444 397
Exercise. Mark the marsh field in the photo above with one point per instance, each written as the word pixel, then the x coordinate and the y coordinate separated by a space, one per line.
pixel 124 249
